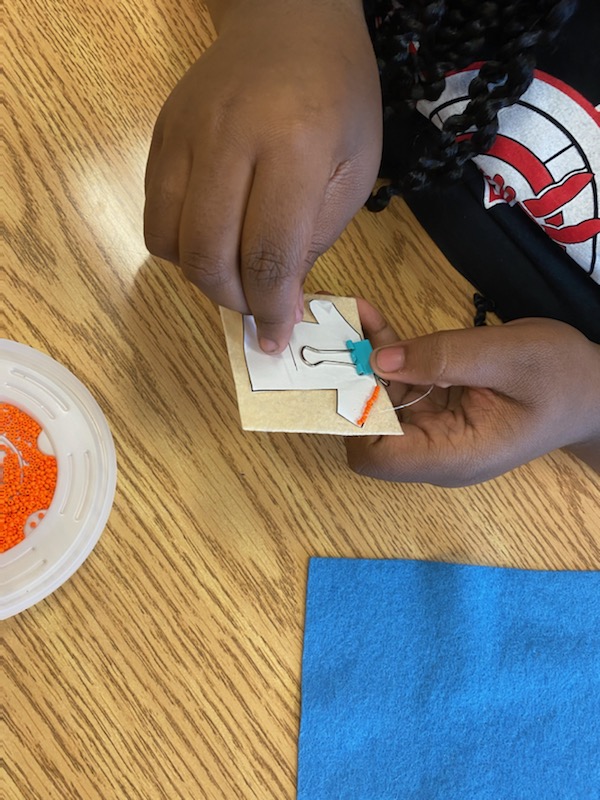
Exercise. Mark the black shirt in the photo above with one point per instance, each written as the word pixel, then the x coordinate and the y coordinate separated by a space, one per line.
pixel 523 226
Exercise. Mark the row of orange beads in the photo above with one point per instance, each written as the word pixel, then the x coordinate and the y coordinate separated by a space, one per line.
pixel 27 476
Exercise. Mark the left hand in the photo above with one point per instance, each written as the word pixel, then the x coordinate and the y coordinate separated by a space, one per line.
pixel 263 152
pixel 503 396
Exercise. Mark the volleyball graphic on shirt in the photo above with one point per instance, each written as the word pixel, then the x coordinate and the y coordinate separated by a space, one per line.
pixel 546 159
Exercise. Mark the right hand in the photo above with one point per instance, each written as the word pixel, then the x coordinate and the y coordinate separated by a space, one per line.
pixel 503 395
pixel 263 153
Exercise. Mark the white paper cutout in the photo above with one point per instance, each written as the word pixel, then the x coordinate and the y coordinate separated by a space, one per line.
pixel 288 371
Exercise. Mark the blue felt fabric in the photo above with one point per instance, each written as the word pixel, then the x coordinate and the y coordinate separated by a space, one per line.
pixel 449 682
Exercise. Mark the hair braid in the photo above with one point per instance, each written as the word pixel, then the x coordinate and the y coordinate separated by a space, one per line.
pixel 418 43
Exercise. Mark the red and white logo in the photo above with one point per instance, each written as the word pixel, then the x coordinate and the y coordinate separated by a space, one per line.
pixel 546 159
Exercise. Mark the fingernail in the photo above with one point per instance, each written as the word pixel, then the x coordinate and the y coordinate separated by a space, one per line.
pixel 390 359
pixel 268 345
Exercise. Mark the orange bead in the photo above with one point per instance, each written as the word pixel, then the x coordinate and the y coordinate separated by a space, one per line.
pixel 369 406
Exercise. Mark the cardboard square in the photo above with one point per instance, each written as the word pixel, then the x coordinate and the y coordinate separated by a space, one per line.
pixel 301 410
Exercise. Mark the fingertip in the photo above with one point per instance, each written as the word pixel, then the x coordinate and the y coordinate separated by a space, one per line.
pixel 275 320
pixel 270 346
pixel 273 338
pixel 389 359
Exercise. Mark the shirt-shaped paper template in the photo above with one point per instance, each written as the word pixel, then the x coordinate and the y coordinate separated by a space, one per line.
pixel 289 370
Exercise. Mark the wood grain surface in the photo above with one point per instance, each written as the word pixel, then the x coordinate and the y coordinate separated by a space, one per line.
pixel 169 665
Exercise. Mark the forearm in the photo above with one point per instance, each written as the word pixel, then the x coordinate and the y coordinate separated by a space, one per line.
pixel 220 10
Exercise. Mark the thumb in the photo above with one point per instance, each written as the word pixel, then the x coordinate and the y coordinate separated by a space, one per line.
pixel 497 357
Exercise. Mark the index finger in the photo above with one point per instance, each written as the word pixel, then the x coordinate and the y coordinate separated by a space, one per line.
pixel 375 326
pixel 209 239
pixel 278 244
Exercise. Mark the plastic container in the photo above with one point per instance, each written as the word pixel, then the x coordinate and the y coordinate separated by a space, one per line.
pixel 57 540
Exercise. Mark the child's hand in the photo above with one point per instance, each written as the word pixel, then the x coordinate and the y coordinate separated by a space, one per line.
pixel 504 395
pixel 263 152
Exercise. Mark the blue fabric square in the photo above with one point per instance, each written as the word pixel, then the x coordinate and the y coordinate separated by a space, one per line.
pixel 449 682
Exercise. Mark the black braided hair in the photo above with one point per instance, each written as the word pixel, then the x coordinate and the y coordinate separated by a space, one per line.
pixel 482 307
pixel 418 42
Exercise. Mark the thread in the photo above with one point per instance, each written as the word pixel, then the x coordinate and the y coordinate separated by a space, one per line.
pixel 411 402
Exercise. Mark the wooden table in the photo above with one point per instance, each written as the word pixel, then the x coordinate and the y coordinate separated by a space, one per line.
pixel 169 665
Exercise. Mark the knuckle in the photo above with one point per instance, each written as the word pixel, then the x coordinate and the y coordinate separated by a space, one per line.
pixel 207 271
pixel 266 269
pixel 439 355
pixel 300 138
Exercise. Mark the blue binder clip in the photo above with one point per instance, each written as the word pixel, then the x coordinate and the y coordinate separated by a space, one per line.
pixel 360 352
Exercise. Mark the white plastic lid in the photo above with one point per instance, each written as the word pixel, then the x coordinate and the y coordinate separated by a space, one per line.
pixel 76 433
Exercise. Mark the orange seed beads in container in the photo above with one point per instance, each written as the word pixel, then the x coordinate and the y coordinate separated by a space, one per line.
pixel 58 474
pixel 27 476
